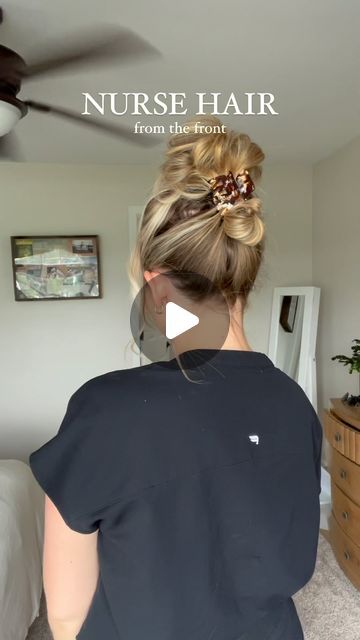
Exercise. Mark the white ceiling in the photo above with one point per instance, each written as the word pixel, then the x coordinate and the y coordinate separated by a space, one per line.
pixel 306 52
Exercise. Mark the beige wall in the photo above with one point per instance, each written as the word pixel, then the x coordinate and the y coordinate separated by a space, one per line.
pixel 336 267
pixel 49 348
pixel 286 193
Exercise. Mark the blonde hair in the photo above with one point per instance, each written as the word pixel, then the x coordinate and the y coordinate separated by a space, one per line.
pixel 182 230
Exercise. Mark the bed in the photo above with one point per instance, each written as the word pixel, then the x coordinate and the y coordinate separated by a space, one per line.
pixel 21 540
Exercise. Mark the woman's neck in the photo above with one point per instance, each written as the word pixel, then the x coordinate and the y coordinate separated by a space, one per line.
pixel 210 334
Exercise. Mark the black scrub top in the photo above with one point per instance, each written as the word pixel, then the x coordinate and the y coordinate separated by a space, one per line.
pixel 205 495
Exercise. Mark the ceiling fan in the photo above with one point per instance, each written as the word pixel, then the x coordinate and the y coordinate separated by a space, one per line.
pixel 121 43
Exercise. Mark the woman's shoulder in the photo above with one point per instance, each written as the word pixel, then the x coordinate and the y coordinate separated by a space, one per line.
pixel 120 382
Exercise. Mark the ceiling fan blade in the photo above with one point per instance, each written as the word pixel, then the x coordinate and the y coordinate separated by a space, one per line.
pixel 9 148
pixel 116 130
pixel 112 44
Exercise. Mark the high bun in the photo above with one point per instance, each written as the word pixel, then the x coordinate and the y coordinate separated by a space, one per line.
pixel 184 229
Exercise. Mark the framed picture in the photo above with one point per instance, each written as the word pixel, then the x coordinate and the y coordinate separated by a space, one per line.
pixel 288 313
pixel 56 267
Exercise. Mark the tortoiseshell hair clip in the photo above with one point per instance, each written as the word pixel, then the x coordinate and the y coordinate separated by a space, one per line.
pixel 227 190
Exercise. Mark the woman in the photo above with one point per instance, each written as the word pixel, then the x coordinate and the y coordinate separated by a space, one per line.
pixel 182 497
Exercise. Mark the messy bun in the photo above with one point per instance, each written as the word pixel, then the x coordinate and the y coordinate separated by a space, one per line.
pixel 183 230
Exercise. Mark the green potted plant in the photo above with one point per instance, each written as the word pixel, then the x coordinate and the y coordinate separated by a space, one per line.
pixel 354 363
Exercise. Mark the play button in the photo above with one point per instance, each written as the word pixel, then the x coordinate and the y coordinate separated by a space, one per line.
pixel 188 314
pixel 178 320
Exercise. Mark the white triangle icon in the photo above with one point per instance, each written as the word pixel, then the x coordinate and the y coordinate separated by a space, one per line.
pixel 178 320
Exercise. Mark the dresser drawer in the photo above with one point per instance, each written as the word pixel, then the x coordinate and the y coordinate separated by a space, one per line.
pixel 342 437
pixel 346 474
pixel 347 513
pixel 346 552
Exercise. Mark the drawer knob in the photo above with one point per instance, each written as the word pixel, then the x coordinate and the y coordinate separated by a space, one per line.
pixel 345 515
pixel 342 474
pixel 337 436
pixel 346 555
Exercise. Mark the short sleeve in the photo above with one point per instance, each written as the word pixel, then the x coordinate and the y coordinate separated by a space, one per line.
pixel 67 466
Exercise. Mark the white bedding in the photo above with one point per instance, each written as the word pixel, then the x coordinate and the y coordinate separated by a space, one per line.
pixel 21 540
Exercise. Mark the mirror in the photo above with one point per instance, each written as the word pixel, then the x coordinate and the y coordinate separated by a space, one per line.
pixel 293 331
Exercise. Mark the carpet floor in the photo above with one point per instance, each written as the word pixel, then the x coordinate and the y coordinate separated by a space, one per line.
pixel 328 606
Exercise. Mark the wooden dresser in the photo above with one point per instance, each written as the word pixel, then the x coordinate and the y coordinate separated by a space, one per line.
pixel 342 430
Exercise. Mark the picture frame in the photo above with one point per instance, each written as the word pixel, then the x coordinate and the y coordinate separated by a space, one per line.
pixel 288 312
pixel 56 267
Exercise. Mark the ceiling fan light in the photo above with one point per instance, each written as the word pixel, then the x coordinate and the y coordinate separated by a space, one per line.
pixel 9 117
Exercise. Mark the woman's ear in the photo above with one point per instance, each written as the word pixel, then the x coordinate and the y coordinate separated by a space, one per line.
pixel 158 286
pixel 149 275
